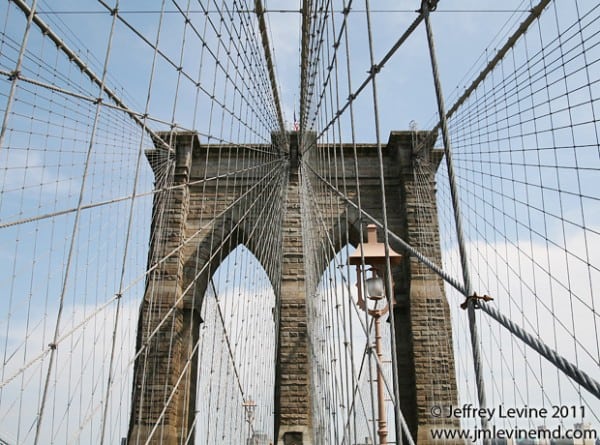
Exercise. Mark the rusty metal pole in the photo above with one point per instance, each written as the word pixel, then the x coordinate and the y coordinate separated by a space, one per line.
pixel 376 255
pixel 382 421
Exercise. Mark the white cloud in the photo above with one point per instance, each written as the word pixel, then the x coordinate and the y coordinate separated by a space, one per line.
pixel 551 300
pixel 74 406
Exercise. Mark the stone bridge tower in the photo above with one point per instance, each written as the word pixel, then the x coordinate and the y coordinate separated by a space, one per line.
pixel 204 219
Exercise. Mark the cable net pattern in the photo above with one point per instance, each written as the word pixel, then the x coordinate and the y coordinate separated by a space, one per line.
pixel 84 103
pixel 142 154
pixel 525 148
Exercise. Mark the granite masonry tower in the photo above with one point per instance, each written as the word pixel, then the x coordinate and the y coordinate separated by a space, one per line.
pixel 424 353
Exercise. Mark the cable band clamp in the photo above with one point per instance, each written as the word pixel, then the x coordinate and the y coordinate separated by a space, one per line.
pixel 14 75
pixel 475 298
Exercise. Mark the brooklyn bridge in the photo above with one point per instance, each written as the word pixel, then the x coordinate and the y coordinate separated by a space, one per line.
pixel 299 222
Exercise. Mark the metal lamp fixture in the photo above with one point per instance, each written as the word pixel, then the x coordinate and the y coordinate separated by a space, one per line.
pixel 374 256
pixel 373 253
pixel 250 408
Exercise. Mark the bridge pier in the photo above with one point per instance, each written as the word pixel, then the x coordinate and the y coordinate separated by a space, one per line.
pixel 293 413
pixel 195 225
pixel 424 347
pixel 162 408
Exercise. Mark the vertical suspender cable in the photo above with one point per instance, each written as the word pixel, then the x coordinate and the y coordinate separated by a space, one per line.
pixel 399 419
pixel 426 7
pixel 260 13
pixel 346 8
pixel 122 277
pixel 74 233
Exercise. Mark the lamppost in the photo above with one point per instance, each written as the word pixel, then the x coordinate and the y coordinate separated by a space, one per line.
pixel 373 254
pixel 250 407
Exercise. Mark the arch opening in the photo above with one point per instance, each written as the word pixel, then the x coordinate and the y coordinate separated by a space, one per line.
pixel 344 372
pixel 236 356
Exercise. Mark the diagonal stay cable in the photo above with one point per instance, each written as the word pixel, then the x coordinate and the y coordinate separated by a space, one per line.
pixel 373 72
pixel 46 30
pixel 536 344
pixel 366 330
pixel 535 13
pixel 227 341
pixel 468 288
pixel 125 198
pixel 137 279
